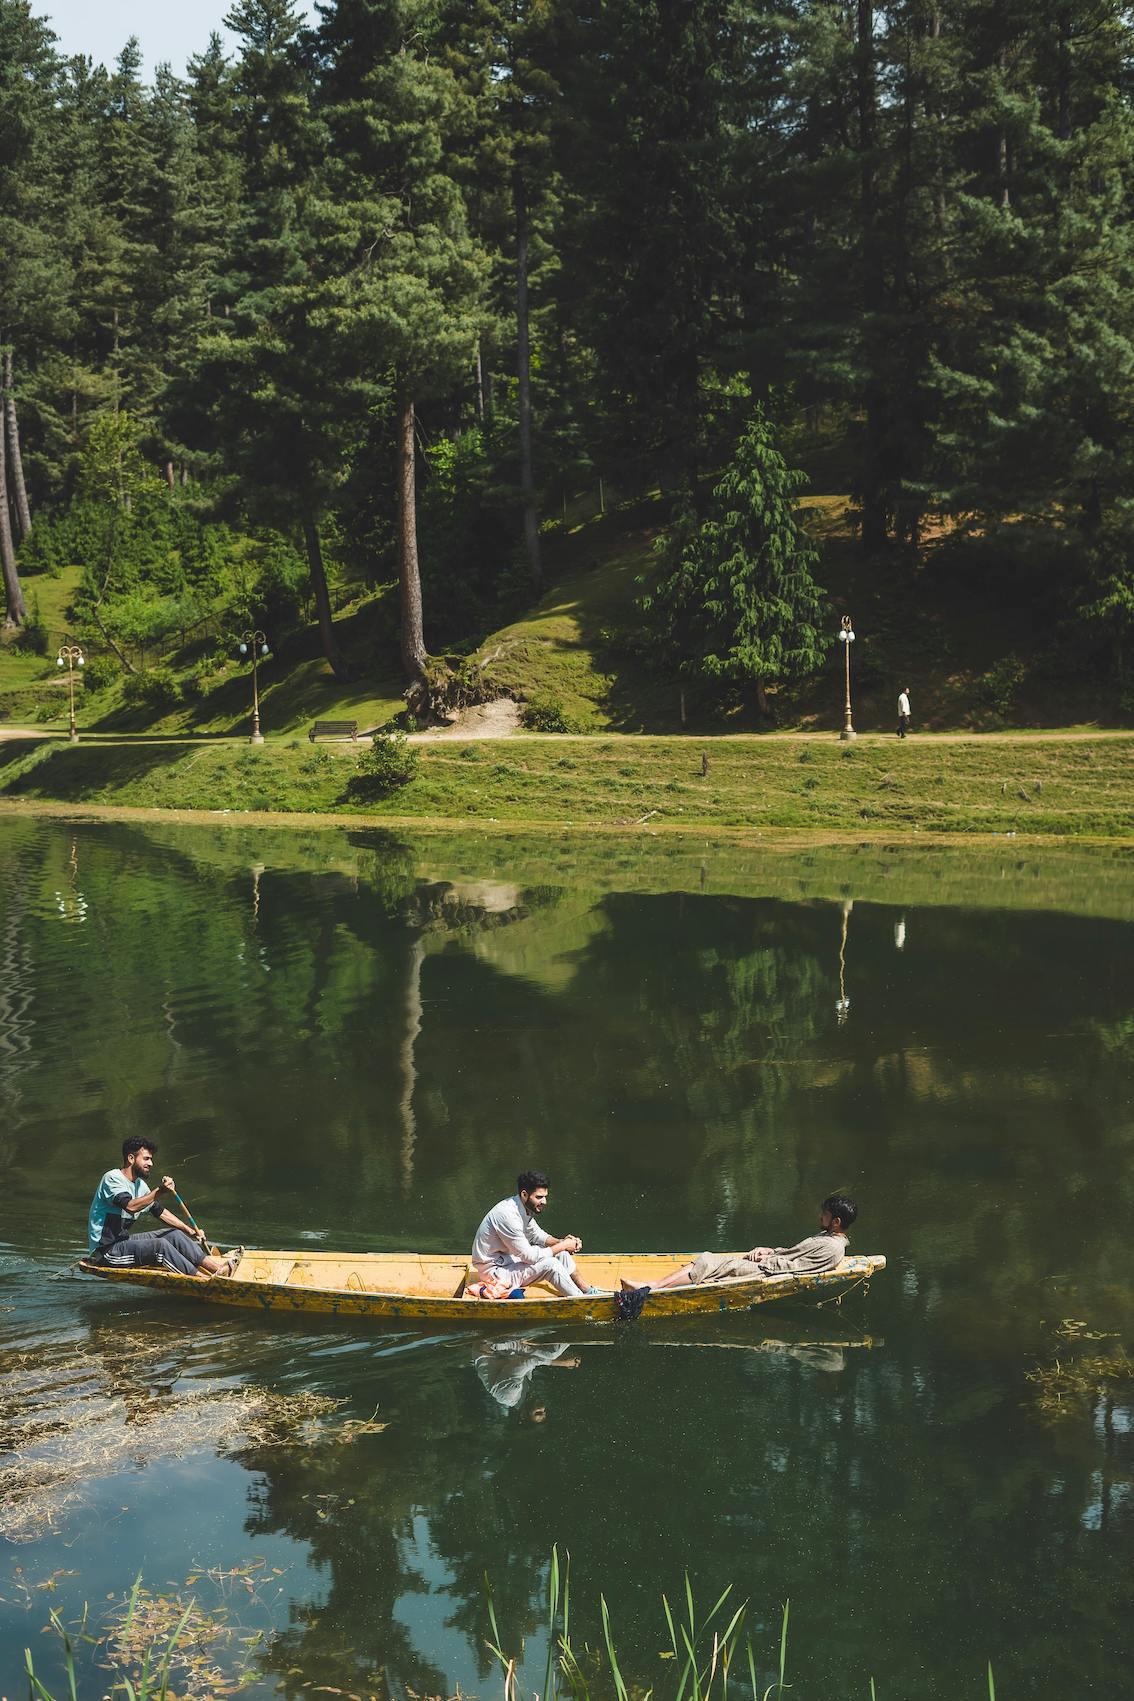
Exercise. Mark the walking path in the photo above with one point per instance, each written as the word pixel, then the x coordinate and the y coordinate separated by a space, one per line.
pixel 495 720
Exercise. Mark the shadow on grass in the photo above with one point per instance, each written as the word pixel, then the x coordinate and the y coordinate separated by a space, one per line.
pixel 71 773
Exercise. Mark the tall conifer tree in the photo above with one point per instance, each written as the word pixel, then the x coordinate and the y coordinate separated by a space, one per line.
pixel 405 280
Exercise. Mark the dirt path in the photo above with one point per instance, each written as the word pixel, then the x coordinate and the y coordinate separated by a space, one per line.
pixel 501 719
pixel 482 720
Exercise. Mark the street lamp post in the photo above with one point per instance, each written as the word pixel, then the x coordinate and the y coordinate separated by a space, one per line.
pixel 71 656
pixel 256 644
pixel 846 639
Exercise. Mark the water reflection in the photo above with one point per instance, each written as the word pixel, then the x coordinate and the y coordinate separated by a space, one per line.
pixel 506 1367
pixel 436 1016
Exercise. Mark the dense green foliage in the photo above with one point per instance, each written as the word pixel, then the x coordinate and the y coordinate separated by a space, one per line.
pixel 502 250
pixel 738 601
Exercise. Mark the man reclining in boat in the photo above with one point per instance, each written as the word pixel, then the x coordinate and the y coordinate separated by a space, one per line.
pixel 124 1194
pixel 822 1251
pixel 511 1249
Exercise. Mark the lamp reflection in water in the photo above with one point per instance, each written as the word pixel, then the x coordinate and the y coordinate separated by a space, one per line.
pixel 842 1006
pixel 71 656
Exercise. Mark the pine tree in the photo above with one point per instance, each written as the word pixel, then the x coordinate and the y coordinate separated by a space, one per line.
pixel 31 278
pixel 1034 356
pixel 259 383
pixel 737 601
pixel 405 279
pixel 644 152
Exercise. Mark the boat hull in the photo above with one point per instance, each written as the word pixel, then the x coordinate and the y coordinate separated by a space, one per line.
pixel 427 1288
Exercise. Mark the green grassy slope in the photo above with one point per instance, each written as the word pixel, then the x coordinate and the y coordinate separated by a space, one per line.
pixel 970 661
pixel 1029 786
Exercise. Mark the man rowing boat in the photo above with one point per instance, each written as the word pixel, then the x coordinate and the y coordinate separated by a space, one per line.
pixel 822 1251
pixel 124 1194
pixel 510 1247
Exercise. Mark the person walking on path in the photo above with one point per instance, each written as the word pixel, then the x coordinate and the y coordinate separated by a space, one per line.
pixel 903 711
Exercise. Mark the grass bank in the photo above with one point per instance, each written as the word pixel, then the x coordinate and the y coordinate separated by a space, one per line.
pixel 1041 785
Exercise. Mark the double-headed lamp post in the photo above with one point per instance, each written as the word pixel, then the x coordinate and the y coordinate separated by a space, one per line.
pixel 846 639
pixel 255 643
pixel 71 656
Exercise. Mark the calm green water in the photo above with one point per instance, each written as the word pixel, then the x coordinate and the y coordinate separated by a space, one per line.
pixel 349 1040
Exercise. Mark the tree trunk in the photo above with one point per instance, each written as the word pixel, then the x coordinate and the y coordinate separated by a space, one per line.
pixel 934 110
pixel 873 473
pixel 1002 163
pixel 322 598
pixel 16 459
pixel 479 383
pixel 1063 78
pixel 15 610
pixel 524 373
pixel 412 633
pixel 410 1032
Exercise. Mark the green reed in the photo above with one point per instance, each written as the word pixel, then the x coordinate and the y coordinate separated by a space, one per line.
pixel 705 1651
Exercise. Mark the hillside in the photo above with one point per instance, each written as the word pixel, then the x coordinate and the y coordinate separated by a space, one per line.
pixel 971 662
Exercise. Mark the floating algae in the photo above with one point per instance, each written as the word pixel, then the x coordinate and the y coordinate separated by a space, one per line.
pixel 1064 1386
pixel 72 1413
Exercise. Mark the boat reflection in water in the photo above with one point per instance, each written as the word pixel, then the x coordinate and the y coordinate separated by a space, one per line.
pixel 505 1369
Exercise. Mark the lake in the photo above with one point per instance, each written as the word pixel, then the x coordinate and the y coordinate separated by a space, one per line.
pixel 355 1039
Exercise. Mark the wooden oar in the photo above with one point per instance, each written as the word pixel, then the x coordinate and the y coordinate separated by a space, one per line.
pixel 214 1251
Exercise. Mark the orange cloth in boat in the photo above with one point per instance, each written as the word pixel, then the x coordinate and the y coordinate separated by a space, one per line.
pixel 490 1288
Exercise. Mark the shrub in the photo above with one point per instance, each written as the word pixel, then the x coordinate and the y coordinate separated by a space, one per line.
pixel 317 762
pixel 545 713
pixel 996 690
pixel 155 688
pixel 101 671
pixel 32 635
pixel 390 762
pixel 198 681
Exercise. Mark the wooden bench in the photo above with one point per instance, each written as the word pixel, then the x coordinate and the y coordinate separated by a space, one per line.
pixel 333 729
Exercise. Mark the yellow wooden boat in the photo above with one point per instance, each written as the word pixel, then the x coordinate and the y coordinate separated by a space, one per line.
pixel 428 1287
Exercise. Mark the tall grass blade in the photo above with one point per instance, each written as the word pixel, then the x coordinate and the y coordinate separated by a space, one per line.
pixel 549 1685
pixel 991 1684
pixel 171 1648
pixel 619 1686
pixel 734 1621
pixel 717 1608
pixel 494 1646
pixel 783 1647
pixel 752 1672
pixel 669 1622
pixel 35 1687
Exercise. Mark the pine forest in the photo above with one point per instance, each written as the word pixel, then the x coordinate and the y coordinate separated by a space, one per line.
pixel 326 335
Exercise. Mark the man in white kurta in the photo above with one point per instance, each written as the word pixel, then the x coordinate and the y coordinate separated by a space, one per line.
pixel 511 1246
